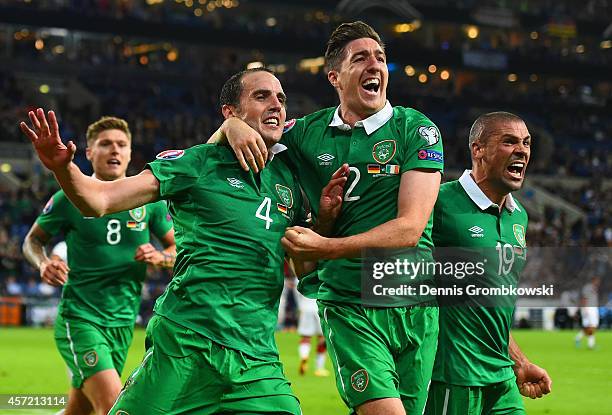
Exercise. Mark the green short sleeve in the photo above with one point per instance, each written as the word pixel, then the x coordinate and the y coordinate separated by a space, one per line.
pixel 177 172
pixel 161 222
pixel 54 218
pixel 424 146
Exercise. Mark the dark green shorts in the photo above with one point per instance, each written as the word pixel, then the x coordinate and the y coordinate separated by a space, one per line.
pixel 185 372
pixel 88 348
pixel 501 398
pixel 381 352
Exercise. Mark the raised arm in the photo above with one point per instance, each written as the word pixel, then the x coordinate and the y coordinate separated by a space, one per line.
pixel 417 195
pixel 53 271
pixel 532 380
pixel 91 196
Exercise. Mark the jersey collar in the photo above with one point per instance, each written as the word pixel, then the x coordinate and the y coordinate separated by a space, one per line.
pixel 275 149
pixel 478 196
pixel 370 124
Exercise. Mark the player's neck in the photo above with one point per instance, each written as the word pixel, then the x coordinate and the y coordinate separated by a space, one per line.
pixel 350 117
pixel 489 189
pixel 106 179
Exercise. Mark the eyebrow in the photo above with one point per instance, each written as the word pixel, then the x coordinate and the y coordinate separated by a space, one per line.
pixel 268 92
pixel 515 136
pixel 378 52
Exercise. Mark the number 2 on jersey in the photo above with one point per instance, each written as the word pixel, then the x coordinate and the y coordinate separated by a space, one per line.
pixel 347 195
pixel 265 216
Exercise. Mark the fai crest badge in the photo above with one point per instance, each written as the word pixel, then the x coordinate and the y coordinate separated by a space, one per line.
pixel 360 380
pixel 285 195
pixel 430 134
pixel 138 214
pixel 91 358
pixel 519 234
pixel 383 151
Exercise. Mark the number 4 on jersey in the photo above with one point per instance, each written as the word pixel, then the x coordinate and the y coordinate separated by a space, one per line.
pixel 265 205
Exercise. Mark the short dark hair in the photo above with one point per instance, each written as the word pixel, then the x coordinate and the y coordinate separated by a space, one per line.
pixel 480 128
pixel 107 123
pixel 232 88
pixel 343 35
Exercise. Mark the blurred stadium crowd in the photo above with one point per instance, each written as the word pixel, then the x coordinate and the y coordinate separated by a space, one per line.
pixel 160 64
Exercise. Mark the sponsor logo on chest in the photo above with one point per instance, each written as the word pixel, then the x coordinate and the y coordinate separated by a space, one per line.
pixel 325 159
pixel 235 183
pixel 476 232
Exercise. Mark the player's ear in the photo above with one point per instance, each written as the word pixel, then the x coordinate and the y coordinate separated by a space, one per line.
pixel 88 152
pixel 477 150
pixel 332 76
pixel 228 111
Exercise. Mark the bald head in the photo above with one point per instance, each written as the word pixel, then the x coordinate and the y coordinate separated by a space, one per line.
pixel 486 123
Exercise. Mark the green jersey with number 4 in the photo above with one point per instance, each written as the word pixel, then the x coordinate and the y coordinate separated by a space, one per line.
pixel 105 281
pixel 473 340
pixel 228 224
pixel 378 150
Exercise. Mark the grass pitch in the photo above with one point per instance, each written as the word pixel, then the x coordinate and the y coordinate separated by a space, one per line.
pixel 582 379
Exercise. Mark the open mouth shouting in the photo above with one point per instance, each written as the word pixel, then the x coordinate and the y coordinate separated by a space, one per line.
pixel 516 170
pixel 371 85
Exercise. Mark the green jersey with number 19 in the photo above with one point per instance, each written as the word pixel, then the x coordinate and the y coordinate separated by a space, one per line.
pixel 104 282
pixel 473 340
pixel 378 150
pixel 228 224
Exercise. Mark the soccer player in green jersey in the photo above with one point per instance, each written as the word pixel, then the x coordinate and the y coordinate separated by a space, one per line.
pixel 383 356
pixel 107 260
pixel 212 340
pixel 478 365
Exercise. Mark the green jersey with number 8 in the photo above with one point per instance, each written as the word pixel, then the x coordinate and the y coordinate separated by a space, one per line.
pixel 105 281
pixel 228 226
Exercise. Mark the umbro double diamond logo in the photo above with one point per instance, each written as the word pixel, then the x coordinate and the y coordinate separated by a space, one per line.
pixel 477 231
pixel 325 159
pixel 235 183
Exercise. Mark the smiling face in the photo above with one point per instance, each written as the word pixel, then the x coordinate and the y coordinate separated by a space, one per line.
pixel 262 105
pixel 361 79
pixel 503 157
pixel 110 153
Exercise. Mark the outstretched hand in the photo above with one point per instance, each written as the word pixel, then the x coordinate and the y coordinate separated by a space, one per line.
pixel 53 153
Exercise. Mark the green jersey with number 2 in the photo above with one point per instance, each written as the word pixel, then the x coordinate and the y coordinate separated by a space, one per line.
pixel 378 150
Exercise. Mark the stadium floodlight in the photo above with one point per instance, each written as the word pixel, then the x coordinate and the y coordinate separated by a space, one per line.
pixel 401 8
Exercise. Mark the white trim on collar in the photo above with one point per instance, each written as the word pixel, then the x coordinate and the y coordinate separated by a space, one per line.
pixel 478 196
pixel 275 149
pixel 370 124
